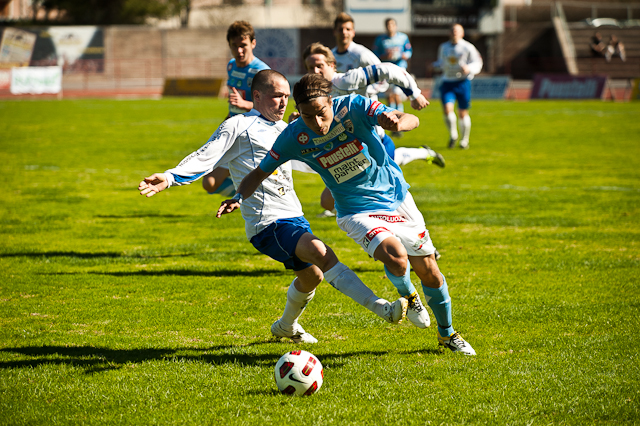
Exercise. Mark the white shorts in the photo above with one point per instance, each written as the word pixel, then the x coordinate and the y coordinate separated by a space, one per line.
pixel 406 223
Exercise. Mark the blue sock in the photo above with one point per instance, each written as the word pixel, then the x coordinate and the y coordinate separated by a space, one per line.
pixel 392 105
pixel 440 303
pixel 403 284
pixel 400 107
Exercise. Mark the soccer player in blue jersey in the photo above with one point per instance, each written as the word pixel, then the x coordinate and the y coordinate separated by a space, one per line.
pixel 274 221
pixel 338 140
pixel 394 47
pixel 241 70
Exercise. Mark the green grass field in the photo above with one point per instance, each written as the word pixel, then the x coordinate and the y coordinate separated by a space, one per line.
pixel 117 309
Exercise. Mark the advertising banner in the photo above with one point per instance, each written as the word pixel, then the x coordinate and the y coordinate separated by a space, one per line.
pixel 192 86
pixel 560 86
pixel 36 80
pixel 5 79
pixel 635 90
pixel 75 48
pixel 494 87
pixel 16 47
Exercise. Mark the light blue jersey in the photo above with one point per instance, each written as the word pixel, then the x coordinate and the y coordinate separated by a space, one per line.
pixel 350 158
pixel 241 79
pixel 392 49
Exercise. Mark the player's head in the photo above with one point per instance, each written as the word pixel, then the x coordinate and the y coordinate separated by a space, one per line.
pixel 391 25
pixel 319 59
pixel 242 40
pixel 270 91
pixel 343 30
pixel 457 33
pixel 313 101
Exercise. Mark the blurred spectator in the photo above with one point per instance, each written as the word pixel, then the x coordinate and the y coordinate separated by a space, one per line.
pixel 598 46
pixel 615 47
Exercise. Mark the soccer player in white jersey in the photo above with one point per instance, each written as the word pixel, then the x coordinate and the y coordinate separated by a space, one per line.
pixel 274 222
pixel 459 62
pixel 338 140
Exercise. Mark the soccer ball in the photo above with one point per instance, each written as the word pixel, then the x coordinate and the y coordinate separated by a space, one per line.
pixel 299 373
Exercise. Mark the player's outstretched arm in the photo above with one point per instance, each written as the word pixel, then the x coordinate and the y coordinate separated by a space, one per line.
pixel 153 184
pixel 246 188
pixel 397 121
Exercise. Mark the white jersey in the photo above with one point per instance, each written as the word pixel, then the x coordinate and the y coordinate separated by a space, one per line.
pixel 451 57
pixel 360 80
pixel 241 142
pixel 357 56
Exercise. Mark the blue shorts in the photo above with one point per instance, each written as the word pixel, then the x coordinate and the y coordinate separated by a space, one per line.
pixel 450 91
pixel 279 241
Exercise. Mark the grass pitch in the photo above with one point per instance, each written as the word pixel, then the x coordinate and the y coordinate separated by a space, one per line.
pixel 117 309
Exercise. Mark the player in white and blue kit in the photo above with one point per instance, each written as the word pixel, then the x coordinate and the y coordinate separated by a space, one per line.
pixel 240 70
pixel 274 221
pixel 394 47
pixel 338 140
pixel 459 62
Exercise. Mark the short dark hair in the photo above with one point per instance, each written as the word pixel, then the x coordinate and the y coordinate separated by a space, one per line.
pixel 240 29
pixel 264 80
pixel 311 86
pixel 342 18
pixel 386 21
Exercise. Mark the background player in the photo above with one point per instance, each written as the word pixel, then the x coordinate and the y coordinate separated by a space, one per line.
pixel 337 139
pixel 459 62
pixel 241 69
pixel 394 47
pixel 274 222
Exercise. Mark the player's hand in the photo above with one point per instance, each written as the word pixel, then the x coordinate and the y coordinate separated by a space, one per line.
pixel 419 102
pixel 465 69
pixel 235 99
pixel 293 116
pixel 227 206
pixel 153 184
pixel 389 121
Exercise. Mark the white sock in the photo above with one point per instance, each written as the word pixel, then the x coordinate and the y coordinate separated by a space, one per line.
pixel 296 303
pixel 450 121
pixel 465 129
pixel 347 282
pixel 403 156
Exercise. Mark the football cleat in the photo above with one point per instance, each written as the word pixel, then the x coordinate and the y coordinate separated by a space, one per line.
pixel 456 343
pixel 326 213
pixel 437 255
pixel 452 143
pixel 396 311
pixel 416 313
pixel 464 144
pixel 397 135
pixel 434 157
pixel 296 334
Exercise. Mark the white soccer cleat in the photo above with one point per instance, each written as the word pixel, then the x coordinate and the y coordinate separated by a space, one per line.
pixel 396 311
pixel 296 334
pixel 456 343
pixel 416 312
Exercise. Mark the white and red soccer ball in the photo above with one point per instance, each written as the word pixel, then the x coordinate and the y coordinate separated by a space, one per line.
pixel 299 373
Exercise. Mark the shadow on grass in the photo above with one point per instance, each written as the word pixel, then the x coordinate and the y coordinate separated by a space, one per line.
pixel 97 359
pixel 181 272
pixel 79 255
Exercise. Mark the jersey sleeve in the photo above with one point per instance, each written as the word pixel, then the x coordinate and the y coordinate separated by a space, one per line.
pixel 367 57
pixel 475 60
pixel 279 154
pixel 385 71
pixel 408 50
pixel 207 158
pixel 438 63
pixel 367 109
